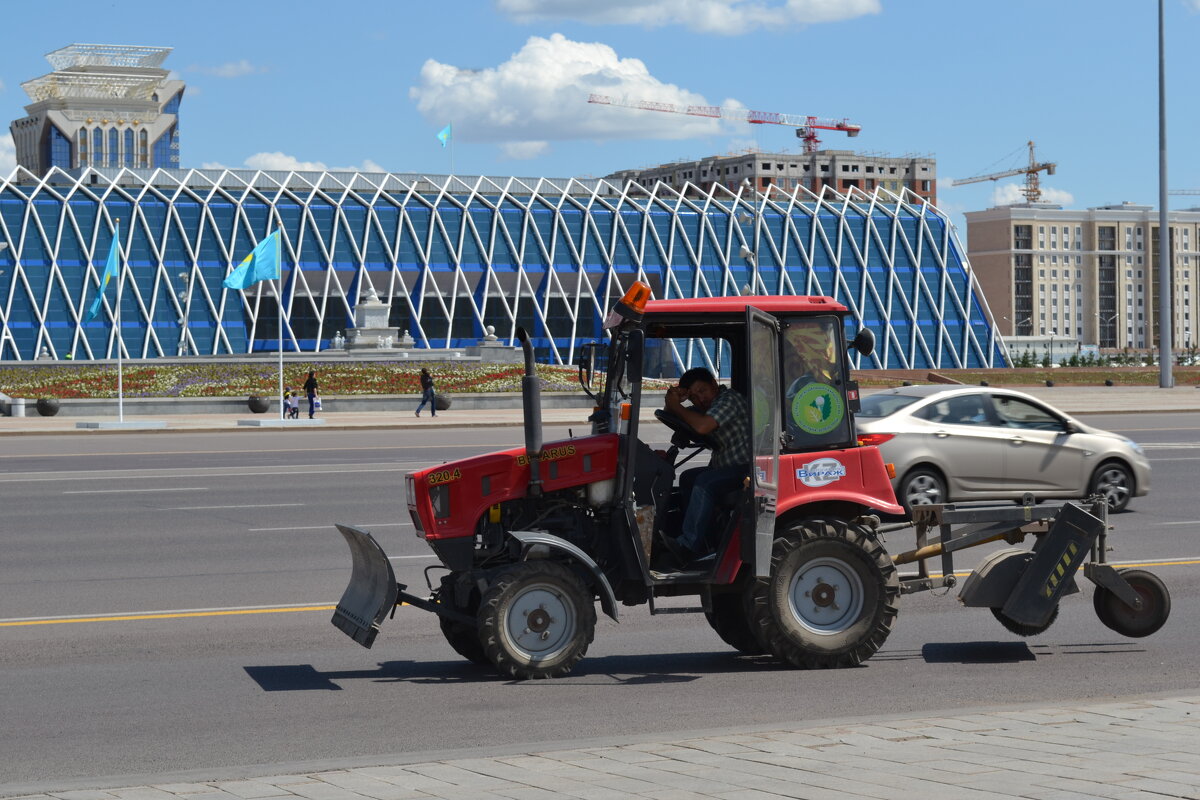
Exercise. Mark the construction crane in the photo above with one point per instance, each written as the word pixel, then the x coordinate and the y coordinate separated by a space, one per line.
pixel 1184 191
pixel 806 127
pixel 1032 190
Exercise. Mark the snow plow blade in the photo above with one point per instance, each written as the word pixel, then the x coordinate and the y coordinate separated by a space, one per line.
pixel 372 592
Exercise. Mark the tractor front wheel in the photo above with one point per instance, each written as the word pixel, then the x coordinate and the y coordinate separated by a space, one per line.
pixel 831 598
pixel 536 620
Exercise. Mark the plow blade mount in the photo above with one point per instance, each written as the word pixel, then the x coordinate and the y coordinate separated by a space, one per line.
pixel 372 592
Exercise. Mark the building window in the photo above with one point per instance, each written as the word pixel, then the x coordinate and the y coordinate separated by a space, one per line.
pixel 98 147
pixel 113 148
pixel 129 147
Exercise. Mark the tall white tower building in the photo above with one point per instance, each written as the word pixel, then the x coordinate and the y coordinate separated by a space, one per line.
pixel 104 105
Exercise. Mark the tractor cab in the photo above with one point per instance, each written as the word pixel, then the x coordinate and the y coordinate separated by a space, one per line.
pixel 787 357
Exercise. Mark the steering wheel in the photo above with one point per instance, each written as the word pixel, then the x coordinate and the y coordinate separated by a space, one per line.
pixel 687 432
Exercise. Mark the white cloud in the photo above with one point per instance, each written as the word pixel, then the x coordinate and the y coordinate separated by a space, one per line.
pixel 523 151
pixel 282 162
pixel 541 94
pixel 232 69
pixel 8 154
pixel 1006 194
pixel 727 17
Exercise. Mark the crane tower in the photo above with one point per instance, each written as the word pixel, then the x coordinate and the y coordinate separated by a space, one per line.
pixel 1032 190
pixel 806 126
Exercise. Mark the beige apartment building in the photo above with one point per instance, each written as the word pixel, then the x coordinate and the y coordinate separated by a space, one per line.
pixel 1090 276
pixel 841 170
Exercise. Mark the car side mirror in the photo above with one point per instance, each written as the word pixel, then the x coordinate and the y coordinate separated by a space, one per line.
pixel 864 342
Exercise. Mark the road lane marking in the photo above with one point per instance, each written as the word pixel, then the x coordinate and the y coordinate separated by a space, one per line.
pixel 283 609
pixel 135 491
pixel 268 450
pixel 1171 562
pixel 1180 522
pixel 221 472
pixel 213 508
pixel 329 527
pixel 210 612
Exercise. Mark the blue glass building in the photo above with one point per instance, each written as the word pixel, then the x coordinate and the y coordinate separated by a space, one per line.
pixel 454 255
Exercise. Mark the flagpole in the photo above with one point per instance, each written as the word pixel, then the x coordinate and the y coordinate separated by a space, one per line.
pixel 279 299
pixel 117 316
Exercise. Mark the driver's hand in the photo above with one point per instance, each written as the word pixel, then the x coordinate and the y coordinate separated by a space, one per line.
pixel 675 396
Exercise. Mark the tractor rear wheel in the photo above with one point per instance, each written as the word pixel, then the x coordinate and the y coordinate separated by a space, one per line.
pixel 831 598
pixel 462 637
pixel 536 620
pixel 730 618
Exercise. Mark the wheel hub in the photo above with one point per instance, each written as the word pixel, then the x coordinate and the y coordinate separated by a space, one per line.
pixel 826 596
pixel 823 595
pixel 538 620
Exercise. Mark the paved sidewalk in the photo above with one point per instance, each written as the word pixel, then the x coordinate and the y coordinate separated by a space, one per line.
pixel 1120 750
pixel 1071 399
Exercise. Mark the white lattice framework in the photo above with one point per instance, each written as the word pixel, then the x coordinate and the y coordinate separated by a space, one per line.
pixel 456 254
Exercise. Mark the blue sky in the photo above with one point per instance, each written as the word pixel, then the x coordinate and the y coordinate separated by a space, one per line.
pixel 368 83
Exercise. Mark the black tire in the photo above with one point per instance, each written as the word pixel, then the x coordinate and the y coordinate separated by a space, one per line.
pixel 730 618
pixel 462 637
pixel 1135 623
pixel 1020 629
pixel 536 620
pixel 921 486
pixel 1114 481
pixel 815 632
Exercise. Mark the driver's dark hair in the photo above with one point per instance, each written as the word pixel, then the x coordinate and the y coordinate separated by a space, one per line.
pixel 696 374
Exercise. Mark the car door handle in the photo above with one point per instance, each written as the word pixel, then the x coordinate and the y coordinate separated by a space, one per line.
pixel 1017 440
pixel 941 434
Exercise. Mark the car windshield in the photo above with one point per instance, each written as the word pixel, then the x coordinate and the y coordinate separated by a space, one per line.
pixel 883 405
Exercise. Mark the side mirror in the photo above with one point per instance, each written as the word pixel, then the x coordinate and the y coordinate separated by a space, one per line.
pixel 864 342
pixel 586 361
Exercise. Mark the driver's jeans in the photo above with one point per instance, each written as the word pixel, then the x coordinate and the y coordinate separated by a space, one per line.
pixel 701 489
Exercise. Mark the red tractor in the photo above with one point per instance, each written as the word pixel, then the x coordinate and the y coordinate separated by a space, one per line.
pixel 532 537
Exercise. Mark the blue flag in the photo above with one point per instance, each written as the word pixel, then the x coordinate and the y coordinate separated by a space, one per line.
pixel 111 270
pixel 262 264
pixel 444 135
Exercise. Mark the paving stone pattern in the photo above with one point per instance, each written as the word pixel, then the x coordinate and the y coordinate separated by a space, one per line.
pixel 1120 750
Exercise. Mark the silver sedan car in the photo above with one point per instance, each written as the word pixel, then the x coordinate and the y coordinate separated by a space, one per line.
pixel 955 444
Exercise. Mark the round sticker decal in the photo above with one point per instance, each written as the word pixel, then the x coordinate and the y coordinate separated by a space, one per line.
pixel 818 408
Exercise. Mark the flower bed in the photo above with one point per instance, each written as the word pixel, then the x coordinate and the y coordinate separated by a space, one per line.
pixel 230 380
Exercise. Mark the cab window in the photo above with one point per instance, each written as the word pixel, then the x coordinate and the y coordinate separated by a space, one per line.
pixel 814 399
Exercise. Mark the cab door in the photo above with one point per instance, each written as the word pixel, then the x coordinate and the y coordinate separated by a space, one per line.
pixel 762 371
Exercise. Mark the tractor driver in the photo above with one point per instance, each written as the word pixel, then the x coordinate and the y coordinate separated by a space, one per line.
pixel 723 414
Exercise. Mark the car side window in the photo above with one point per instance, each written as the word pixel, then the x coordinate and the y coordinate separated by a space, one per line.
pixel 962 410
pixel 1018 413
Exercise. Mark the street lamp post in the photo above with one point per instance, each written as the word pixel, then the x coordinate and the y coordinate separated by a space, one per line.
pixel 751 255
pixel 1053 333
pixel 185 298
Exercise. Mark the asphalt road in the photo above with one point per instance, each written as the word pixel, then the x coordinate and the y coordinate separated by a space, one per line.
pixel 157 598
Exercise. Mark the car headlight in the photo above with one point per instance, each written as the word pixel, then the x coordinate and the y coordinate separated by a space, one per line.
pixel 1135 447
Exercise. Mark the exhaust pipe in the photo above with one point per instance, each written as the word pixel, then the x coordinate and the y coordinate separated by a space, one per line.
pixel 531 403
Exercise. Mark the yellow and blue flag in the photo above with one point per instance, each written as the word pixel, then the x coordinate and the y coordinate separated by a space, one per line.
pixel 444 135
pixel 111 269
pixel 262 264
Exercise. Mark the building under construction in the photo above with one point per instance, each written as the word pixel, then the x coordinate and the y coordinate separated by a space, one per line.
pixel 841 170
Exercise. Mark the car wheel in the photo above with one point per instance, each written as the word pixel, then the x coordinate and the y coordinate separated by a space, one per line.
pixel 921 487
pixel 1115 483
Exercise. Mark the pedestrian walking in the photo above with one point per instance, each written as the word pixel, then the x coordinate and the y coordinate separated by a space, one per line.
pixel 310 389
pixel 427 393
